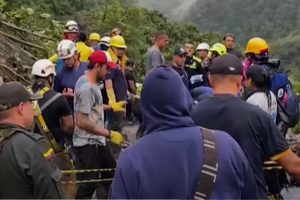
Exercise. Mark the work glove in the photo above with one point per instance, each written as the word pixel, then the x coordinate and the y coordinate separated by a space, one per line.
pixel 111 96
pixel 116 137
pixel 118 106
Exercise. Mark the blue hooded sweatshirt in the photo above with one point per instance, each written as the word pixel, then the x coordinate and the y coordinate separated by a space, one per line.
pixel 166 162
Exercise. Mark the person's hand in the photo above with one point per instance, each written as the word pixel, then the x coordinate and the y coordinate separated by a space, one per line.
pixel 118 106
pixel 68 92
pixel 116 137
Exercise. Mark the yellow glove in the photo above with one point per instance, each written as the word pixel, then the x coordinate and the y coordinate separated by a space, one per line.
pixel 118 106
pixel 111 96
pixel 116 137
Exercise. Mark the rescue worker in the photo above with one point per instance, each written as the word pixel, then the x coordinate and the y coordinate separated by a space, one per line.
pixel 94 39
pixel 229 42
pixel 71 32
pixel 84 50
pixel 55 108
pixel 257 52
pixel 89 138
pixel 196 73
pixel 202 51
pixel 216 50
pixel 66 79
pixel 104 43
pixel 27 167
pixel 115 81
pixel 257 56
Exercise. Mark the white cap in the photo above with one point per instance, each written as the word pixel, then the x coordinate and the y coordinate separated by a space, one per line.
pixel 43 68
pixel 203 46
pixel 66 49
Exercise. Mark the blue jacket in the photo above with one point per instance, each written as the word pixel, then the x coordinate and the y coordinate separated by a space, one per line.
pixel 166 162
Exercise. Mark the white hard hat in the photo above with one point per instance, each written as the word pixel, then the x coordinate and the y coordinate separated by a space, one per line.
pixel 105 40
pixel 71 27
pixel 66 49
pixel 203 46
pixel 43 68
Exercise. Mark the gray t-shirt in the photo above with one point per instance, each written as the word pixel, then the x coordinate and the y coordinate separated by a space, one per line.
pixel 88 100
pixel 154 58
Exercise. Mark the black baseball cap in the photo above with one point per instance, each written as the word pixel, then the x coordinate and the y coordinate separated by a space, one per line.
pixel 179 51
pixel 13 93
pixel 226 64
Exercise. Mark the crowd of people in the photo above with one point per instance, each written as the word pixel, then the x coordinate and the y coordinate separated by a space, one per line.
pixel 209 121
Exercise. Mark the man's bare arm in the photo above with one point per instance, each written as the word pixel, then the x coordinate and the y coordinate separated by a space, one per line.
pixel 83 121
pixel 291 163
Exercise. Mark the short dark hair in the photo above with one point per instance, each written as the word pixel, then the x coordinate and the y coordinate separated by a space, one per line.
pixel 130 62
pixel 90 66
pixel 82 37
pixel 228 35
pixel 159 34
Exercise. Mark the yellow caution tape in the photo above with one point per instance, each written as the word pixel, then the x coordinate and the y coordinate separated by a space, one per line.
pixel 270 163
pixel 87 181
pixel 271 168
pixel 86 170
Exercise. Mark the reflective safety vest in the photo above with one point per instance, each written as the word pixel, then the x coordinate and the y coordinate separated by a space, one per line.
pixel 40 121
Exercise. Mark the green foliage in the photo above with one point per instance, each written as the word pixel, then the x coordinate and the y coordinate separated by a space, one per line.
pixel 137 24
pixel 270 19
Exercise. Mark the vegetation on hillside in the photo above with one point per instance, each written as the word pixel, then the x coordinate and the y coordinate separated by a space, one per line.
pixel 137 24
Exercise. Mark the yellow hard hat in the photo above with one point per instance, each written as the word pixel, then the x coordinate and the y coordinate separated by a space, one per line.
pixel 219 48
pixel 118 41
pixel 257 46
pixel 94 36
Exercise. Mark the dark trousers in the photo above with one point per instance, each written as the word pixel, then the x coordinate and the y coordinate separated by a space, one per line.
pixel 114 120
pixel 93 157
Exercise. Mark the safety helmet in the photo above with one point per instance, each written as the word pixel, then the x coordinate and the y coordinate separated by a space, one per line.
pixel 94 36
pixel 219 48
pixel 43 68
pixel 203 46
pixel 66 49
pixel 71 27
pixel 257 46
pixel 118 41
pixel 105 40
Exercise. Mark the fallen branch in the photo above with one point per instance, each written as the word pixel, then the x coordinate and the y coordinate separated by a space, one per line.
pixel 22 41
pixel 28 54
pixel 25 30
pixel 15 74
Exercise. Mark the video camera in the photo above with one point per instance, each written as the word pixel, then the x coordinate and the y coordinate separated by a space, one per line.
pixel 274 63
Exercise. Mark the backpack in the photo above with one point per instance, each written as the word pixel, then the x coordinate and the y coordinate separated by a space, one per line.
pixel 287 99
